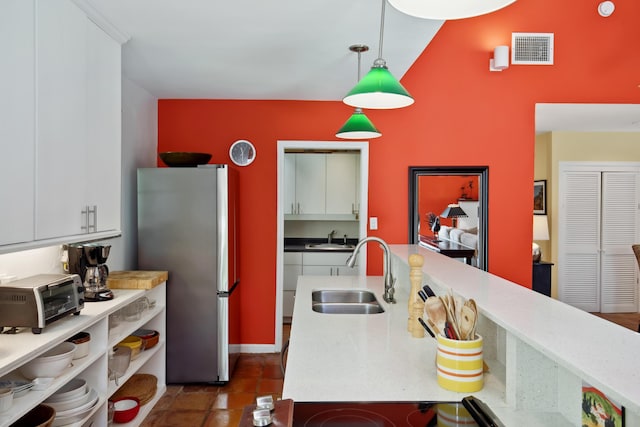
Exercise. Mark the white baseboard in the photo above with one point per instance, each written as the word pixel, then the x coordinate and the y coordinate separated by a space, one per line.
pixel 253 348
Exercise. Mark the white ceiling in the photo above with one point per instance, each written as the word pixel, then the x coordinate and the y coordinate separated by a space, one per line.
pixel 588 117
pixel 289 50
pixel 258 49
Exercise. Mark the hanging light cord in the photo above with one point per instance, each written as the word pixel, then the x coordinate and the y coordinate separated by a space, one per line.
pixel 381 29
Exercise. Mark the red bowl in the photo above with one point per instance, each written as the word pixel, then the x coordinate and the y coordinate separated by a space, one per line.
pixel 125 409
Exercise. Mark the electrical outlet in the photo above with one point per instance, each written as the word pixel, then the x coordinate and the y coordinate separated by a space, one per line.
pixel 373 223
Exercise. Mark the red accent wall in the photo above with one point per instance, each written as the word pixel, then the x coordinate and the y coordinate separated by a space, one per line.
pixel 463 115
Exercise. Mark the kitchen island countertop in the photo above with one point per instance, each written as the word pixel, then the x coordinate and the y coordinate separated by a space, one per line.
pixel 536 371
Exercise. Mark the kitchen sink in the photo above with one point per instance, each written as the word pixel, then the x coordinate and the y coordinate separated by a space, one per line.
pixel 347 308
pixel 345 301
pixel 343 296
pixel 328 246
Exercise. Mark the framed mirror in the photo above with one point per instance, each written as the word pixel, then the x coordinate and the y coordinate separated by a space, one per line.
pixel 448 211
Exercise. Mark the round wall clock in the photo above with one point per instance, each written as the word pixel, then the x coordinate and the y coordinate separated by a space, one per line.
pixel 242 152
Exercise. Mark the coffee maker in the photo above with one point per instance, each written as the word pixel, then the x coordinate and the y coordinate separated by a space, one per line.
pixel 88 260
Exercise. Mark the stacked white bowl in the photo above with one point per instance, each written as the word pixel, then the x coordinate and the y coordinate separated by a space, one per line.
pixel 72 402
pixel 51 363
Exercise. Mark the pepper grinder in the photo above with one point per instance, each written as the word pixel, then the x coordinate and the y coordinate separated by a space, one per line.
pixel 416 305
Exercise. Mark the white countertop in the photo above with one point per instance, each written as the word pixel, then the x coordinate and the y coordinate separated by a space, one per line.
pixel 351 357
pixel 372 357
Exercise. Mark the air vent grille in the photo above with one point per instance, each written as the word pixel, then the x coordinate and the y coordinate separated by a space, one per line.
pixel 532 48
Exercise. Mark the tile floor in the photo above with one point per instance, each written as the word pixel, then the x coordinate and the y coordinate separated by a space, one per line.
pixel 220 406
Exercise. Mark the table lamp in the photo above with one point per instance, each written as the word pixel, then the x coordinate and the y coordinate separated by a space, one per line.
pixel 453 211
pixel 540 232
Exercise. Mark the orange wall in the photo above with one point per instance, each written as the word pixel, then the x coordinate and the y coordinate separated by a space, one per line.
pixel 463 115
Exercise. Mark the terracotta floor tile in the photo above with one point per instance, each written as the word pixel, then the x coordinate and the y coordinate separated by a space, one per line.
pixel 224 418
pixel 182 419
pixel 269 386
pixel 233 400
pixel 193 401
pixel 164 403
pixel 249 384
pixel 200 388
pixel 272 371
pixel 173 389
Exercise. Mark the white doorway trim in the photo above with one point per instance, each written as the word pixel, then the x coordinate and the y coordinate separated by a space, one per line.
pixel 363 147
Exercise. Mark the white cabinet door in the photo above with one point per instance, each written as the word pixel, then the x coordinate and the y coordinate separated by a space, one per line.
pixel 341 183
pixel 61 177
pixel 599 222
pixel 327 264
pixel 17 109
pixel 103 128
pixel 290 202
pixel 619 277
pixel 311 183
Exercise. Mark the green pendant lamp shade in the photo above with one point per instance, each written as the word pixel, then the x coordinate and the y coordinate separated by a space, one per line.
pixel 358 127
pixel 378 90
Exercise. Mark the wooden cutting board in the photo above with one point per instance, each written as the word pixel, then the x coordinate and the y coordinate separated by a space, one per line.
pixel 135 279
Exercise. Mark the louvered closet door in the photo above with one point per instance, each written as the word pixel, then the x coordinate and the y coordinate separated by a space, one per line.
pixel 619 231
pixel 579 238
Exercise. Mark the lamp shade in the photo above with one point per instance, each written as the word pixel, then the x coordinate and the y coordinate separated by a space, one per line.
pixel 540 227
pixel 453 211
pixel 447 9
pixel 378 90
pixel 358 127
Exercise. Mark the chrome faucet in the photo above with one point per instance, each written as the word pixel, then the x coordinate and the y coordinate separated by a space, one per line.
pixel 389 280
pixel 330 237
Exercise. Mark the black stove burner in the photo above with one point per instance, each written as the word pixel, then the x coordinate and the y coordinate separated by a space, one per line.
pixel 381 414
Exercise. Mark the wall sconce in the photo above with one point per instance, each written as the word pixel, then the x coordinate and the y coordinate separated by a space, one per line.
pixel 500 60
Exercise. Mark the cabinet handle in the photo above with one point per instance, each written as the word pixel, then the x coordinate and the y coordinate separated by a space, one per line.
pixel 84 219
pixel 93 226
pixel 298 212
pixel 293 210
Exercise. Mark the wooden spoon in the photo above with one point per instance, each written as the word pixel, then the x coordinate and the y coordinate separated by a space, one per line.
pixel 467 322
pixel 436 312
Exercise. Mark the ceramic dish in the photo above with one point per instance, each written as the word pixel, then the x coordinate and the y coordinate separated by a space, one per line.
pixel 71 390
pixel 40 416
pixel 81 340
pixel 6 399
pixel 20 388
pixel 125 409
pixel 88 404
pixel 78 415
pixel 69 404
pixel 50 364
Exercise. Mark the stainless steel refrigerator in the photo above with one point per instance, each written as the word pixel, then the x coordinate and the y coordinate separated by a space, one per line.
pixel 187 226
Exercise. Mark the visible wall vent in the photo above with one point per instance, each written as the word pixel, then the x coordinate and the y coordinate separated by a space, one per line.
pixel 532 48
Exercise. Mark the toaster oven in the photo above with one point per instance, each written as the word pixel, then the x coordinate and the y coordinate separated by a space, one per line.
pixel 39 300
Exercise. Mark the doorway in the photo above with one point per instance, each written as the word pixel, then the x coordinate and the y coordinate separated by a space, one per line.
pixel 328 146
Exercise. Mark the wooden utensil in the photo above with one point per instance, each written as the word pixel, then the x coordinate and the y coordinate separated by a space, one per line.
pixel 436 312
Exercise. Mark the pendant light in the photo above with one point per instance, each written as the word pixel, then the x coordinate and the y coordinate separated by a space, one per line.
pixel 447 9
pixel 358 126
pixel 379 89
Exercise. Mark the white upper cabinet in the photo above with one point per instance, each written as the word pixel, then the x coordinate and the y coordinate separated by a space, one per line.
pixel 17 109
pixel 61 118
pixel 321 184
pixel 61 91
pixel 342 172
pixel 310 183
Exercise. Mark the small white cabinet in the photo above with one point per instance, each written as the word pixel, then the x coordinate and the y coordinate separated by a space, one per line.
pixel 327 264
pixel 292 269
pixel 78 124
pixel 17 109
pixel 310 264
pixel 107 329
pixel 321 185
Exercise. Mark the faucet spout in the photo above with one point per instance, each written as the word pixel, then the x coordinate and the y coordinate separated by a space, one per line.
pixel 389 279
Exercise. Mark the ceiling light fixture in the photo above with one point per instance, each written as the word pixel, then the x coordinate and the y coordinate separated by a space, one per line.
pixel 379 89
pixel 358 126
pixel 447 9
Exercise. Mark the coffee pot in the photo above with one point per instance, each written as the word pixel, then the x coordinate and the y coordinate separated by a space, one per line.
pixel 89 262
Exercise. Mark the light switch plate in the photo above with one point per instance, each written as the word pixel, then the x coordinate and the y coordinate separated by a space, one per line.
pixel 373 223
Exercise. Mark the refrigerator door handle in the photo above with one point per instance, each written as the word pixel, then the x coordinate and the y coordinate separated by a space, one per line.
pixel 225 294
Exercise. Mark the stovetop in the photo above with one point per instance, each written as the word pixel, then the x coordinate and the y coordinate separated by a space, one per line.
pixel 381 414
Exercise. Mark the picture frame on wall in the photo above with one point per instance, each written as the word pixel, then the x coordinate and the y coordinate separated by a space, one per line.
pixel 540 197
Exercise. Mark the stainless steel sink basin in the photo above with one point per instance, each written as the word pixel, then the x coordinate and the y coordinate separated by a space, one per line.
pixel 343 296
pixel 328 246
pixel 347 308
pixel 345 301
